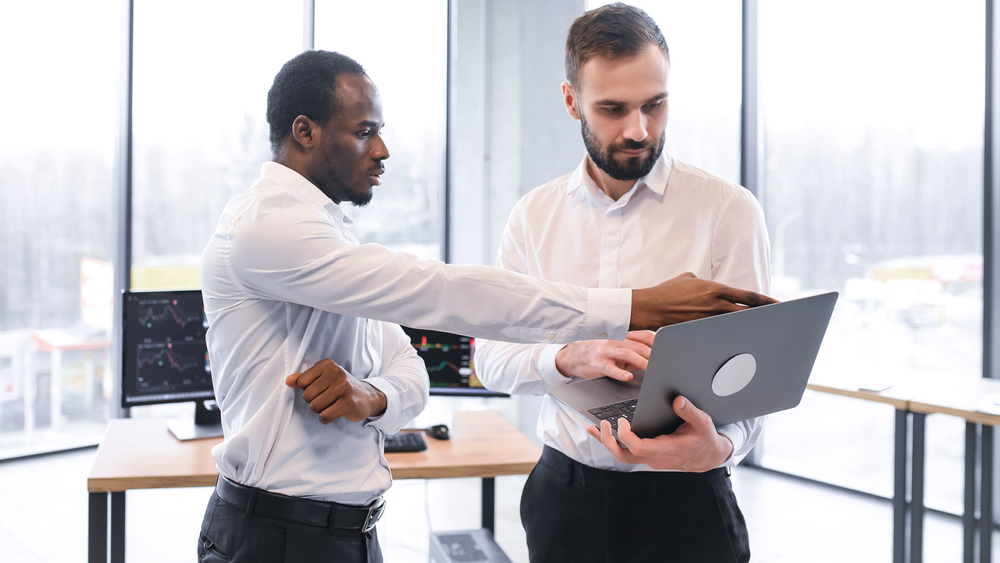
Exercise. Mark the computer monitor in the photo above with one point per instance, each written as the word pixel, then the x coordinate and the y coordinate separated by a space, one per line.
pixel 165 357
pixel 450 362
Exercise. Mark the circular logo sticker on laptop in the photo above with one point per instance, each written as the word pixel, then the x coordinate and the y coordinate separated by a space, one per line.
pixel 734 375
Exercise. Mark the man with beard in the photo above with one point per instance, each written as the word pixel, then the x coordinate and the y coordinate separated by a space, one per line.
pixel 628 214
pixel 287 286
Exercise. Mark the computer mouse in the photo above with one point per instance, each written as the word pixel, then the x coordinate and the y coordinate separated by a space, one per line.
pixel 438 431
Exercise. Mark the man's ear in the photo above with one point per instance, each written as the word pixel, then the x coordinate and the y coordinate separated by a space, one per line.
pixel 569 98
pixel 306 132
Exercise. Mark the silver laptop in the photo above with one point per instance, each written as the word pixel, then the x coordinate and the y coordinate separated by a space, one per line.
pixel 733 366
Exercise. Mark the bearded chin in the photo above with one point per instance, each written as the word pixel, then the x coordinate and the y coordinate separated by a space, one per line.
pixel 360 199
pixel 632 169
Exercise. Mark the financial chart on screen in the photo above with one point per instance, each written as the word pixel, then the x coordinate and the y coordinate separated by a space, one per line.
pixel 450 361
pixel 165 358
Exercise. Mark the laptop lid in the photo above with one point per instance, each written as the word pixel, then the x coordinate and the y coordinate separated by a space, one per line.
pixel 734 366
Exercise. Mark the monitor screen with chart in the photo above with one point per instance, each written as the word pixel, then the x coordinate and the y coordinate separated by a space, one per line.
pixel 164 354
pixel 450 361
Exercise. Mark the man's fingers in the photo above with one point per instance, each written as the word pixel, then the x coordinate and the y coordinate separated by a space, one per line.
pixel 615 372
pixel 292 380
pixel 611 444
pixel 744 297
pixel 331 413
pixel 692 414
pixel 627 437
pixel 307 377
pixel 633 360
pixel 641 336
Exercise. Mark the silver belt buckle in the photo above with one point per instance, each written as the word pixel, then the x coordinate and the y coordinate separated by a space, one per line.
pixel 374 514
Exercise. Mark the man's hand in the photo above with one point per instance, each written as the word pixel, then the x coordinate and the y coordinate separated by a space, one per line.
pixel 612 358
pixel 686 298
pixel 694 447
pixel 334 393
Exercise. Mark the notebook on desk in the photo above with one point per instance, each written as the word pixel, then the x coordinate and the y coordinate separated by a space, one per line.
pixel 733 366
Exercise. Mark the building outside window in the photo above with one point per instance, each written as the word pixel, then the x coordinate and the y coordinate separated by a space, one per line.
pixel 873 187
pixel 406 56
pixel 58 113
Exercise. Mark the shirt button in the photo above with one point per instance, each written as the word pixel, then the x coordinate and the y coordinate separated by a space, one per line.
pixel 551 336
pixel 603 335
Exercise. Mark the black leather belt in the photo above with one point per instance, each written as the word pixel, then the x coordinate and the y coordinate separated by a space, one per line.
pixel 329 515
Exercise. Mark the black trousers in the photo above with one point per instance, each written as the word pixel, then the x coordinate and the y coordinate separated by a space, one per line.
pixel 573 512
pixel 229 534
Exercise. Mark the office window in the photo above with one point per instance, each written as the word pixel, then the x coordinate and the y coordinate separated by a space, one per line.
pixel 705 43
pixel 406 56
pixel 873 188
pixel 58 112
pixel 201 75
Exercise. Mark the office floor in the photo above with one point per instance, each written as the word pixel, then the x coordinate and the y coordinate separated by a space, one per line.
pixel 43 518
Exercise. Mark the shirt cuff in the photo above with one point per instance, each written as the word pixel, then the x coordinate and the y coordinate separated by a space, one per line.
pixel 609 312
pixel 547 367
pixel 737 436
pixel 391 401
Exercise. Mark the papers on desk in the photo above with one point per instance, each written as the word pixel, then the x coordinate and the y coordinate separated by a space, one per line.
pixel 990 404
pixel 874 383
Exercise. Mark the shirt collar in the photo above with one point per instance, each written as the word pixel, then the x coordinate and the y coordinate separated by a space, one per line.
pixel 655 181
pixel 286 177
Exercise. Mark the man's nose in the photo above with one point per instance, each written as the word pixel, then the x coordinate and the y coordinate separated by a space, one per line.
pixel 636 127
pixel 381 151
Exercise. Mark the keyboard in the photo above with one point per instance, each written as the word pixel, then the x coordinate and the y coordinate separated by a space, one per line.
pixel 405 442
pixel 614 411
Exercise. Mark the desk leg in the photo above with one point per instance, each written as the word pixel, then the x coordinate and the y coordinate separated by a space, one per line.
pixel 969 514
pixel 917 489
pixel 97 524
pixel 899 489
pixel 29 396
pixel 986 495
pixel 489 504
pixel 55 405
pixel 118 527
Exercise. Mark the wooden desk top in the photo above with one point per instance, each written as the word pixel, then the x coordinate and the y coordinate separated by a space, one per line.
pixel 926 395
pixel 961 398
pixel 143 454
pixel 891 396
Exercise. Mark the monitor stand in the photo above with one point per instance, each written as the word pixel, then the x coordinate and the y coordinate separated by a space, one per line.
pixel 207 423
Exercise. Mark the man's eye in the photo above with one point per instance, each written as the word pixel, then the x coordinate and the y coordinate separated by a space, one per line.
pixel 364 134
pixel 612 109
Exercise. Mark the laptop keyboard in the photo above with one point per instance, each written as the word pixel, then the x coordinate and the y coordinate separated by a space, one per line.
pixel 614 411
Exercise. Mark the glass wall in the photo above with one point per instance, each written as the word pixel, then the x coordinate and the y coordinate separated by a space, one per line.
pixel 705 43
pixel 873 188
pixel 406 56
pixel 201 75
pixel 58 111
pixel 201 72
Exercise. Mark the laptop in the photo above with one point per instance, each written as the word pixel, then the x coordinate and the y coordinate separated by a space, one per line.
pixel 733 366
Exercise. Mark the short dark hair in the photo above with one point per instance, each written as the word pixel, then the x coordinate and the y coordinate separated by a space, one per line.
pixel 306 85
pixel 613 31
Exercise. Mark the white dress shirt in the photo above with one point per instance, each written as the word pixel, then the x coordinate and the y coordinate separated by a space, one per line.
pixel 286 284
pixel 676 219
